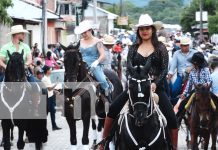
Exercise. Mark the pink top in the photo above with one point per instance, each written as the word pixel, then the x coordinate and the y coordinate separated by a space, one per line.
pixel 51 63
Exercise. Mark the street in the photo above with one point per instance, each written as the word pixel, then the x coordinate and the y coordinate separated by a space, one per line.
pixel 60 139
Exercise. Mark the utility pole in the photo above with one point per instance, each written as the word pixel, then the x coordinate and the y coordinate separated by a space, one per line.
pixel 201 20
pixel 95 11
pixel 44 27
pixel 121 8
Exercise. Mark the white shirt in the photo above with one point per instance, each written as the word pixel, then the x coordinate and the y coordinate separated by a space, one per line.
pixel 47 82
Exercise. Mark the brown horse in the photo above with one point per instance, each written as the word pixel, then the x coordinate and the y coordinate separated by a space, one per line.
pixel 203 118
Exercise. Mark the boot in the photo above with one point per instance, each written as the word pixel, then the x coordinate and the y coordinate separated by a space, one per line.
pixel 107 127
pixel 174 138
pixel 108 95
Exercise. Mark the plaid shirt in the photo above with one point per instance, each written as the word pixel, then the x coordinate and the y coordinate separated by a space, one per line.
pixel 196 77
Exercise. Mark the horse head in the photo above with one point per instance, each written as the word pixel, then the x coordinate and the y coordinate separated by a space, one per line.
pixel 203 103
pixel 139 93
pixel 73 63
pixel 15 71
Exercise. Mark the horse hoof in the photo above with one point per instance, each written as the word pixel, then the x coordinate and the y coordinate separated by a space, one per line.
pixel 85 147
pixel 73 147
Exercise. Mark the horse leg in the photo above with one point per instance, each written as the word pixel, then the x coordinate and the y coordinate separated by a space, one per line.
pixel 12 134
pixel 206 141
pixel 214 137
pixel 6 125
pixel 85 138
pixel 194 145
pixel 94 134
pixel 72 125
pixel 20 142
pixel 100 127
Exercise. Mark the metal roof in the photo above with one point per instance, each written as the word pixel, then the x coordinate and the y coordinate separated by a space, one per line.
pixel 25 11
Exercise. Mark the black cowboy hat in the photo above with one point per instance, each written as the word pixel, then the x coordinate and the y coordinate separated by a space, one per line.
pixel 198 59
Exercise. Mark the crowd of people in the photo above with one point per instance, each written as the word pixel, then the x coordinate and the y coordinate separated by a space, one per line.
pixel 177 63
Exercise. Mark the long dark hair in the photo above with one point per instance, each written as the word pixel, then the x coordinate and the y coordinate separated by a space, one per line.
pixel 154 39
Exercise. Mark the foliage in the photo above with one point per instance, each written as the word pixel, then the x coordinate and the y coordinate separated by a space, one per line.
pixel 4 18
pixel 188 15
pixel 168 11
pixel 213 26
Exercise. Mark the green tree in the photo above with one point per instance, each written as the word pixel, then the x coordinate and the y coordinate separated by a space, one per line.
pixel 4 18
pixel 212 25
pixel 188 15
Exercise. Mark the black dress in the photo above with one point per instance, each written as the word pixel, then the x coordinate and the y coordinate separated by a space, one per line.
pixel 158 69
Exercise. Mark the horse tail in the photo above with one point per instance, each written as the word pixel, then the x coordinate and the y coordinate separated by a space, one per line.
pixel 114 79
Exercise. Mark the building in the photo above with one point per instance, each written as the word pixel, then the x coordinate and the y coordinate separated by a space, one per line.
pixel 29 14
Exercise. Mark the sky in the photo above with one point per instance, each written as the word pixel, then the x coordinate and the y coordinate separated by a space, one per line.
pixel 139 3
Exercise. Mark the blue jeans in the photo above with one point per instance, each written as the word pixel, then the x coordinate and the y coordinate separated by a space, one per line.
pixel 176 89
pixel 100 77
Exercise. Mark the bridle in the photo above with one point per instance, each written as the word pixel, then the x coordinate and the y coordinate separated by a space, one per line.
pixel 140 94
pixel 154 107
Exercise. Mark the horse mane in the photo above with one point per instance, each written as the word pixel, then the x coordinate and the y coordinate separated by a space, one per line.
pixel 14 67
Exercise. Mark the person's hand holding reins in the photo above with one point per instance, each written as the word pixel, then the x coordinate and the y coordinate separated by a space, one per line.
pixel 153 87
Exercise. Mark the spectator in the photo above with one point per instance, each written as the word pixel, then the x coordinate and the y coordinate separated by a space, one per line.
pixel 49 61
pixel 37 67
pixel 51 101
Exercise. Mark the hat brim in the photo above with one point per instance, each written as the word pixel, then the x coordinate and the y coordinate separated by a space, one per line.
pixel 16 32
pixel 80 30
pixel 184 43
pixel 107 43
pixel 157 26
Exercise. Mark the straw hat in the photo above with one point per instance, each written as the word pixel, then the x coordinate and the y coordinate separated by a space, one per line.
pixel 17 29
pixel 162 39
pixel 108 40
pixel 146 20
pixel 184 41
pixel 83 26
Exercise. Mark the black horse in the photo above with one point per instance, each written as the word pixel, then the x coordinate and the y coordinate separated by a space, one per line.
pixel 143 126
pixel 16 104
pixel 76 71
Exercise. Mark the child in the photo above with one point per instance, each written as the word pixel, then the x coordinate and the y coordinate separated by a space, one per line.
pixel 200 74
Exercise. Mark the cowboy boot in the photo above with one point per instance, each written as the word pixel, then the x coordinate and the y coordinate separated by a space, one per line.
pixel 107 127
pixel 174 138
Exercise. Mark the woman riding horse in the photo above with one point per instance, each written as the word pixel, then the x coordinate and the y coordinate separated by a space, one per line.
pixel 93 53
pixel 147 47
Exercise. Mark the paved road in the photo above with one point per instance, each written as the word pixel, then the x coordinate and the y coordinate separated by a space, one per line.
pixel 59 140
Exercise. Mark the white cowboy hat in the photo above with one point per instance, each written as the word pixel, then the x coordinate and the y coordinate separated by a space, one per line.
pixel 108 40
pixel 185 41
pixel 17 29
pixel 83 26
pixel 146 20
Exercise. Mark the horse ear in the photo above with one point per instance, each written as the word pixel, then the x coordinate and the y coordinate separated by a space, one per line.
pixel 9 55
pixel 63 47
pixel 145 69
pixel 22 52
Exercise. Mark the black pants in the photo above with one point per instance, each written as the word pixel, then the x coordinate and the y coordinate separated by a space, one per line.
pixel 164 103
pixel 51 108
